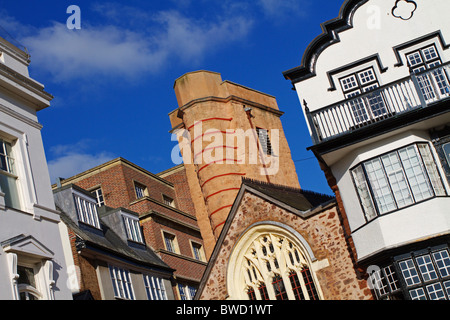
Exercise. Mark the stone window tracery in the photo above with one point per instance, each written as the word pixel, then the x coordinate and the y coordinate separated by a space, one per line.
pixel 275 268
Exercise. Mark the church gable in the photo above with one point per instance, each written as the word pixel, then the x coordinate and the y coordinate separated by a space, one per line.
pixel 318 237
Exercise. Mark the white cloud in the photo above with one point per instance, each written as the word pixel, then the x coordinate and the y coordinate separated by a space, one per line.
pixel 284 8
pixel 73 163
pixel 113 50
pixel 109 51
pixel 70 160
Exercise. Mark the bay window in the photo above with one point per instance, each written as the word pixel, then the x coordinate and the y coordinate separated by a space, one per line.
pixel 397 179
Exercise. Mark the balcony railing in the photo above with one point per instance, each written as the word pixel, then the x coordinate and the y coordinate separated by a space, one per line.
pixel 416 91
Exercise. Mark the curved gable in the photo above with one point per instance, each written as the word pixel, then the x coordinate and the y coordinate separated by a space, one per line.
pixel 330 36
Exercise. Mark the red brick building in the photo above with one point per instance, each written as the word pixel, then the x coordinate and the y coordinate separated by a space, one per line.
pixel 166 214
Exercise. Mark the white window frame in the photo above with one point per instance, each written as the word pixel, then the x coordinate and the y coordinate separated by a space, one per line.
pixel 197 251
pixel 23 251
pixel 10 196
pixel 86 210
pixel 187 292
pixel 121 281
pixel 155 288
pixel 98 194
pixel 132 227
pixel 140 190
pixel 168 201
pixel 381 183
pixel 359 82
pixel 264 140
pixel 172 238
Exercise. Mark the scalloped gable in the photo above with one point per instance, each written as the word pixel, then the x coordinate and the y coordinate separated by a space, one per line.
pixel 330 36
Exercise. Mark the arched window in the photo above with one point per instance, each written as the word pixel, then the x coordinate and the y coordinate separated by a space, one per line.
pixel 296 286
pixel 309 284
pixel 270 263
pixel 279 288
pixel 251 294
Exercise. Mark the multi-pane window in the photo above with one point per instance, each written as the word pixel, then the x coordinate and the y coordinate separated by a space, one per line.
pixel 309 284
pixel 385 282
pixel 98 194
pixel 372 105
pixel 8 178
pixel 197 251
pixel 155 288
pixel 133 228
pixel 6 161
pixel 279 288
pixel 397 179
pixel 141 190
pixel 422 60
pixel 187 292
pixel 168 201
pixel 423 275
pixel 296 286
pixel 170 242
pixel 276 269
pixel 27 283
pixel 264 140
pixel 251 294
pixel 409 272
pixel 263 292
pixel 121 281
pixel 86 210
pixel 427 275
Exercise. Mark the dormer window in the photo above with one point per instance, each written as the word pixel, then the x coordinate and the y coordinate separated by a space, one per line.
pixel 133 228
pixel 86 210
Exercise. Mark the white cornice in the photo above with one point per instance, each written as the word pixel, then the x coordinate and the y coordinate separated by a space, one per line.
pixel 20 117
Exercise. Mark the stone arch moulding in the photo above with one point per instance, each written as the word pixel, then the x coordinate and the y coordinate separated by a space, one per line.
pixel 245 241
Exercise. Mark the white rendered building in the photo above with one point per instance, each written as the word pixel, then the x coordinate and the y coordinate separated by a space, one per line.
pixel 32 261
pixel 375 91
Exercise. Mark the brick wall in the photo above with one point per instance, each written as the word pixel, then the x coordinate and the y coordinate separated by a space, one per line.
pixel 182 192
pixel 87 273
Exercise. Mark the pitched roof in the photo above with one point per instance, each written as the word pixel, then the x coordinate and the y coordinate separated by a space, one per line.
pixel 108 241
pixel 302 200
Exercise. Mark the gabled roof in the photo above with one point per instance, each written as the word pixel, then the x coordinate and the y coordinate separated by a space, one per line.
pixel 302 203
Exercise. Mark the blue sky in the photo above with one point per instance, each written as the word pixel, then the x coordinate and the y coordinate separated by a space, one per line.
pixel 113 79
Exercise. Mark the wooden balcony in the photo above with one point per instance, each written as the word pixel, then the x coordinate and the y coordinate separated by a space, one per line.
pixel 420 90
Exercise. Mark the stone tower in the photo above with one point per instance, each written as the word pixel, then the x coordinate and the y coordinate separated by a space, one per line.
pixel 226 132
